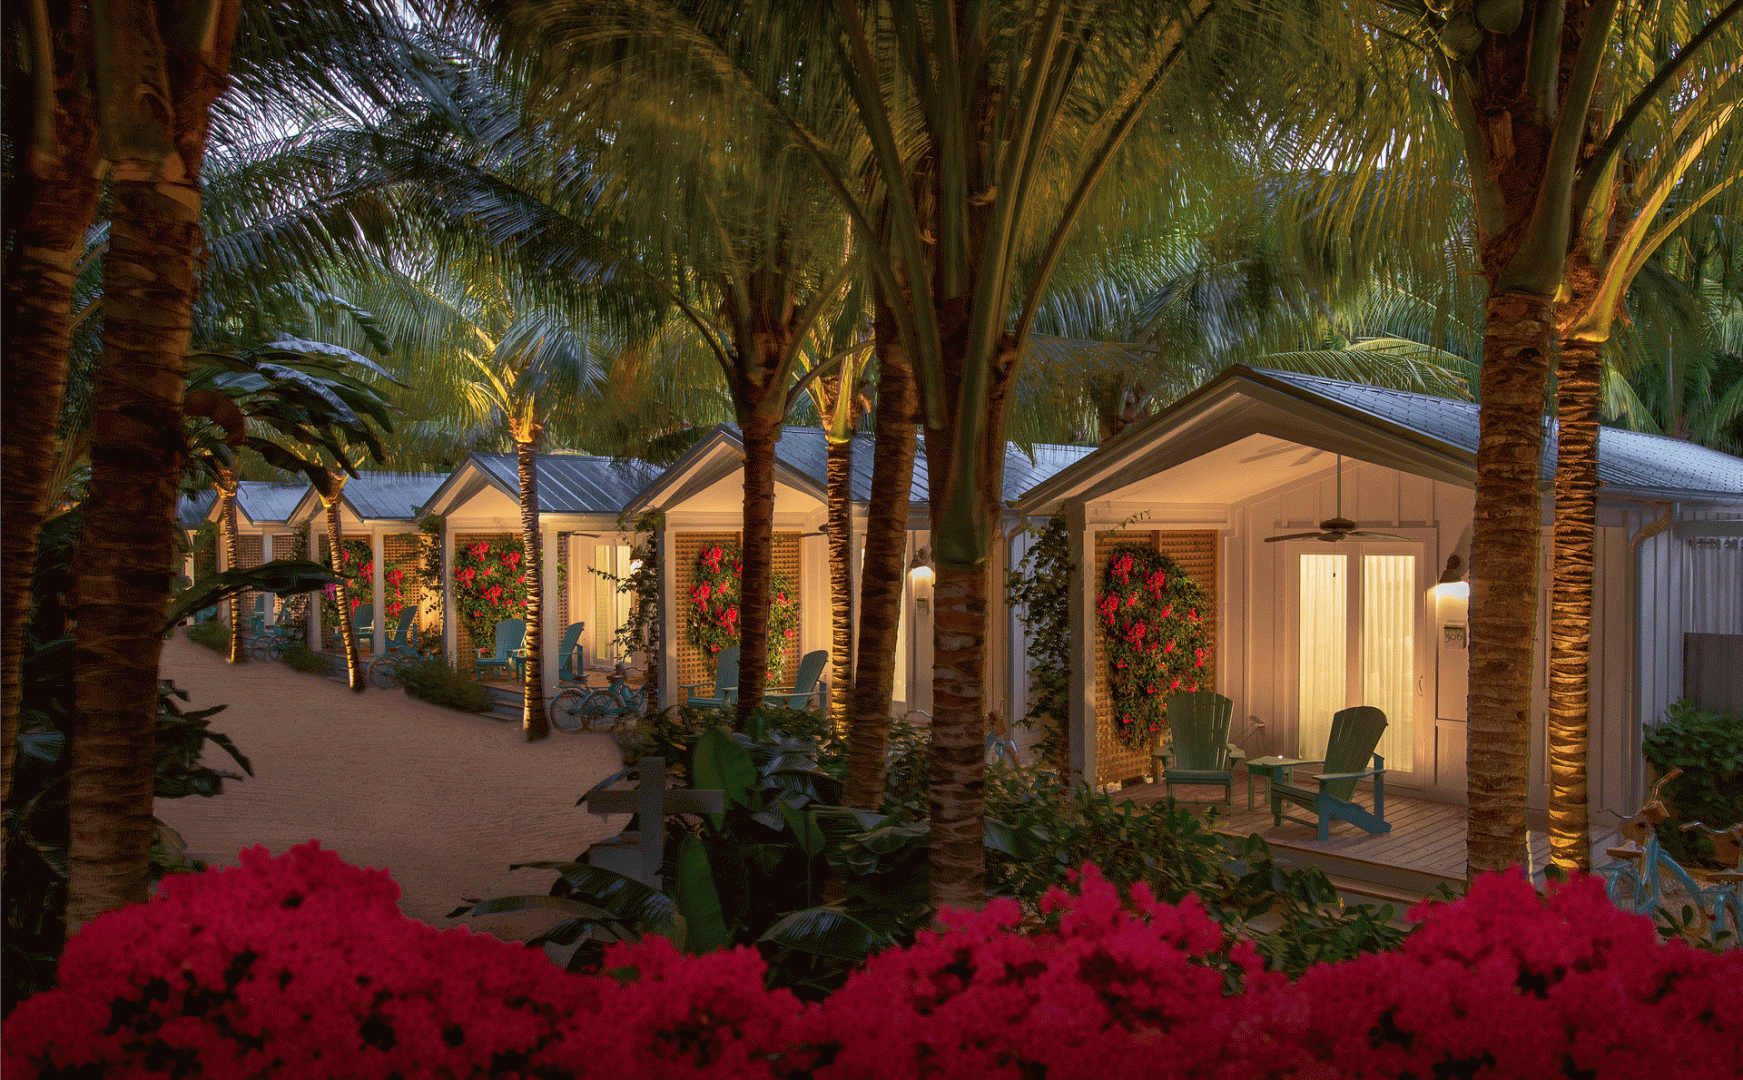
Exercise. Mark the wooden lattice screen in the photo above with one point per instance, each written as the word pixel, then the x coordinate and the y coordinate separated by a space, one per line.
pixel 561 554
pixel 693 666
pixel 284 546
pixel 468 652
pixel 1197 553
pixel 404 552
pixel 250 551
pixel 360 590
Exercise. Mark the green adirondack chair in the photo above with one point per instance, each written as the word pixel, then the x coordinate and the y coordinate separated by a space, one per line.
pixel 725 682
pixel 1200 751
pixel 569 669
pixel 510 634
pixel 806 687
pixel 1354 734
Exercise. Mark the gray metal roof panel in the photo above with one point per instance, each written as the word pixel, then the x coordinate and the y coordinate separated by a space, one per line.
pixel 391 496
pixel 575 483
pixel 264 500
pixel 1625 458
pixel 192 509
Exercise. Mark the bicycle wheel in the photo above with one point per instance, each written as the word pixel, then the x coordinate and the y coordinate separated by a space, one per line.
pixel 256 647
pixel 602 711
pixel 384 672
pixel 276 646
pixel 566 712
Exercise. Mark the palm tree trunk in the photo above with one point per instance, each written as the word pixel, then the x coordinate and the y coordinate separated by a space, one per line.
pixel 126 550
pixel 756 578
pixel 959 636
pixel 347 630
pixel 882 570
pixel 232 546
pixel 57 199
pixel 1578 396
pixel 533 720
pixel 1504 557
pixel 840 579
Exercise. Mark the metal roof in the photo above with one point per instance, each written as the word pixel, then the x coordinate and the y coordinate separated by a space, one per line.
pixel 573 483
pixel 1629 459
pixel 805 451
pixel 264 500
pixel 192 509
pixel 389 495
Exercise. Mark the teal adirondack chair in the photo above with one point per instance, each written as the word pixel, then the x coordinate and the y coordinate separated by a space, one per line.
pixel 363 624
pixel 569 669
pixel 402 641
pixel 806 686
pixel 1200 753
pixel 725 681
pixel 1354 734
pixel 510 634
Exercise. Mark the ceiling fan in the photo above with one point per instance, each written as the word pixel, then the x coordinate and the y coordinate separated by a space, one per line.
pixel 1333 529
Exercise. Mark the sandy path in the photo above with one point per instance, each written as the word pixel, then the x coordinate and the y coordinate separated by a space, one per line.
pixel 443 800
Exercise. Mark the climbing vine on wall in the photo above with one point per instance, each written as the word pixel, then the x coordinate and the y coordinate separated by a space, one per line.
pixel 356 562
pixel 1040 589
pixel 715 617
pixel 1152 614
pixel 490 585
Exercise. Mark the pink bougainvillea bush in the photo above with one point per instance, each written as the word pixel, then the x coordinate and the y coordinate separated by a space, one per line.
pixel 302 966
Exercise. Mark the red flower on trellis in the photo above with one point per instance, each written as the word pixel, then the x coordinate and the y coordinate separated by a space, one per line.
pixel 486 586
pixel 1149 607
pixel 716 619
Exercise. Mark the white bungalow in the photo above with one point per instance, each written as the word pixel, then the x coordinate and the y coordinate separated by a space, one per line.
pixel 580 502
pixel 264 531
pixel 702 499
pixel 382 508
pixel 1304 627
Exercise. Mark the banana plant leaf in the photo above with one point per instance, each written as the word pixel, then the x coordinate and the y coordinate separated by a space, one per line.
pixel 829 931
pixel 281 577
pixel 698 900
pixel 719 763
pixel 806 832
pixel 621 897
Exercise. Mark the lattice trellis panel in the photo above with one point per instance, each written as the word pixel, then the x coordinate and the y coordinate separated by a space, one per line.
pixel 405 552
pixel 1197 553
pixel 565 617
pixel 284 546
pixel 468 652
pixel 361 590
pixel 693 667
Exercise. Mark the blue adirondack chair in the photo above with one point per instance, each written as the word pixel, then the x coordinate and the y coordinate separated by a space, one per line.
pixel 569 669
pixel 1354 734
pixel 807 691
pixel 725 681
pixel 363 624
pixel 403 641
pixel 510 634
pixel 1200 751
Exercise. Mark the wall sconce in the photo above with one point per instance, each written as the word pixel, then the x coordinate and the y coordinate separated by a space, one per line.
pixel 1452 581
pixel 921 575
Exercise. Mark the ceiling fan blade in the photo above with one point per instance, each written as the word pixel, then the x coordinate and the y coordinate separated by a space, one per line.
pixel 1291 536
pixel 1381 535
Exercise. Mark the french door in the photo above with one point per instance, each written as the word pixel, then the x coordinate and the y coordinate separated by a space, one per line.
pixel 1358 614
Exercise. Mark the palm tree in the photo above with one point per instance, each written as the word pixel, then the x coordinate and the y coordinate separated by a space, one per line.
pixel 1651 170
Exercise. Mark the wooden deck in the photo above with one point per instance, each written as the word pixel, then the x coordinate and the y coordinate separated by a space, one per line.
pixel 1425 848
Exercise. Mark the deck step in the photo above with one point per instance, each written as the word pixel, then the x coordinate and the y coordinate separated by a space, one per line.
pixel 1368 877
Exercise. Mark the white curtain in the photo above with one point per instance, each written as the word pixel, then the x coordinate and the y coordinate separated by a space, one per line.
pixel 1389 649
pixel 1713 585
pixel 1323 641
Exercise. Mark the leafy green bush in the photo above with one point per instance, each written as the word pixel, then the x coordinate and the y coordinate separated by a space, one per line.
pixel 430 678
pixel 303 658
pixel 212 633
pixel 1708 748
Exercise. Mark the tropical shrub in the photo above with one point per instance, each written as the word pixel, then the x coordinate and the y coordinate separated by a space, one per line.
pixel 1150 612
pixel 714 618
pixel 212 633
pixel 1040 589
pixel 490 585
pixel 304 659
pixel 302 965
pixel 430 678
pixel 1708 748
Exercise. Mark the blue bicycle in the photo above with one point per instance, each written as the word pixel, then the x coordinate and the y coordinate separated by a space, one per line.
pixel 601 709
pixel 1634 883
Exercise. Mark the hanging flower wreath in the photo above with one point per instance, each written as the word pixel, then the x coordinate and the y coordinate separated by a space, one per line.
pixel 1152 614
pixel 490 585
pixel 356 562
pixel 714 621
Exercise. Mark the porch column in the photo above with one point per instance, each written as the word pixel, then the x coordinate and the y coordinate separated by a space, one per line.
pixel 378 545
pixel 554 617
pixel 450 613
pixel 1082 724
pixel 668 619
pixel 313 612
pixel 266 557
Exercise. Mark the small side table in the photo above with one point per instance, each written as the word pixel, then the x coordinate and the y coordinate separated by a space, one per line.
pixel 1272 769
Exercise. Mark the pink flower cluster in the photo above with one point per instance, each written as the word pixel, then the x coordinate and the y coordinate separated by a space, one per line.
pixel 301 966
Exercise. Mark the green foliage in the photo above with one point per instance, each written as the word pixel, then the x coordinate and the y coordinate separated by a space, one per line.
pixel 357 566
pixel 1040 589
pixel 430 678
pixel 212 633
pixel 1708 748
pixel 302 658
pixel 490 585
pixel 430 572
